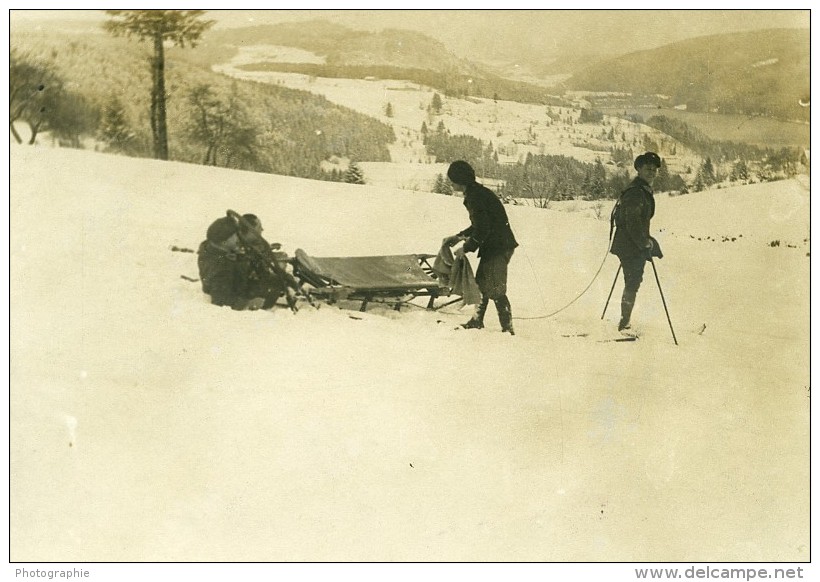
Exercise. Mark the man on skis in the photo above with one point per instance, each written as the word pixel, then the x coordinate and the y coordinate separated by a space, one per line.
pixel 632 243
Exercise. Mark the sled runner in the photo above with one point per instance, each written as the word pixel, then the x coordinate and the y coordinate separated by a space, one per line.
pixel 396 279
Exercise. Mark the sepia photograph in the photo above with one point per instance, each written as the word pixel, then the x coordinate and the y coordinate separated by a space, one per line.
pixel 320 286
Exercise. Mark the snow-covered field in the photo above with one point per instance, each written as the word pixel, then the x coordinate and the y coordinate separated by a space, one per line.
pixel 149 425
pixel 515 129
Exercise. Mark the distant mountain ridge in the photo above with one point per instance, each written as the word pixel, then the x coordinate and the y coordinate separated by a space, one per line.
pixel 764 72
pixel 753 73
pixel 345 46
pixel 389 53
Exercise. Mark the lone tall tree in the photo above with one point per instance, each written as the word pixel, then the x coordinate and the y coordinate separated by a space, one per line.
pixel 179 27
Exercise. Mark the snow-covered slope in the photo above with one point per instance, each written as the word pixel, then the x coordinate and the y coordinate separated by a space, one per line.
pixel 147 424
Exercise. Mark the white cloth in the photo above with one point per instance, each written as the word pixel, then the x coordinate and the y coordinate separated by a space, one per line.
pixel 456 273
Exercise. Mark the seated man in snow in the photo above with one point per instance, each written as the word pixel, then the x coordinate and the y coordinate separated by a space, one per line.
pixel 270 259
pixel 231 273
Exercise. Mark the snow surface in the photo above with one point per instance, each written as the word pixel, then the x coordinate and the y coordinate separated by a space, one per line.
pixel 149 425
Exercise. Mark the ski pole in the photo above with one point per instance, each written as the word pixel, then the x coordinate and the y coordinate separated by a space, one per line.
pixel 664 301
pixel 618 272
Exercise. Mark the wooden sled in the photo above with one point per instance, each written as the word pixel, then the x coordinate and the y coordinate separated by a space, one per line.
pixel 392 279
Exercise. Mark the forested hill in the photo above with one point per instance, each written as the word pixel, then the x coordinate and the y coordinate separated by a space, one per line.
pixel 754 73
pixel 340 45
pixel 348 53
pixel 264 128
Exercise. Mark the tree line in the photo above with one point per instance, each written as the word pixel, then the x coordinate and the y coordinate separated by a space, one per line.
pixel 450 83
pixel 719 150
pixel 99 91
pixel 541 178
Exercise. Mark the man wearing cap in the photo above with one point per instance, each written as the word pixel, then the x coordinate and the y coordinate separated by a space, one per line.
pixel 632 243
pixel 228 273
pixel 490 234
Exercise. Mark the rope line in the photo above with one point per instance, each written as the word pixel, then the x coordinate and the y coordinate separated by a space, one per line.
pixel 577 297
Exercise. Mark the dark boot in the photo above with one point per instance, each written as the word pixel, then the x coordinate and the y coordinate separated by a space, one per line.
pixel 502 305
pixel 477 321
pixel 627 303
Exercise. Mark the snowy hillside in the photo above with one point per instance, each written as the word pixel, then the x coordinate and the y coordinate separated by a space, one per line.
pixel 515 129
pixel 147 424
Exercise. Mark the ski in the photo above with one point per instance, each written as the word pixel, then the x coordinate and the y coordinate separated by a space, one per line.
pixel 620 338
pixel 627 338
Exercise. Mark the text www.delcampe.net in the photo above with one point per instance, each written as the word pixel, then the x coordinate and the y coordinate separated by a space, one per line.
pixel 709 573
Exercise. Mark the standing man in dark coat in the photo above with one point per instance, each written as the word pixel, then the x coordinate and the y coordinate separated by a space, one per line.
pixel 490 234
pixel 632 243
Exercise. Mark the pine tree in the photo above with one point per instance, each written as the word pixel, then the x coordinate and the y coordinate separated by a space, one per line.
pixel 442 186
pixel 388 110
pixel 649 144
pixel 706 174
pixel 437 187
pixel 740 171
pixel 597 185
pixel 354 174
pixel 662 178
pixel 436 104
pixel 114 130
